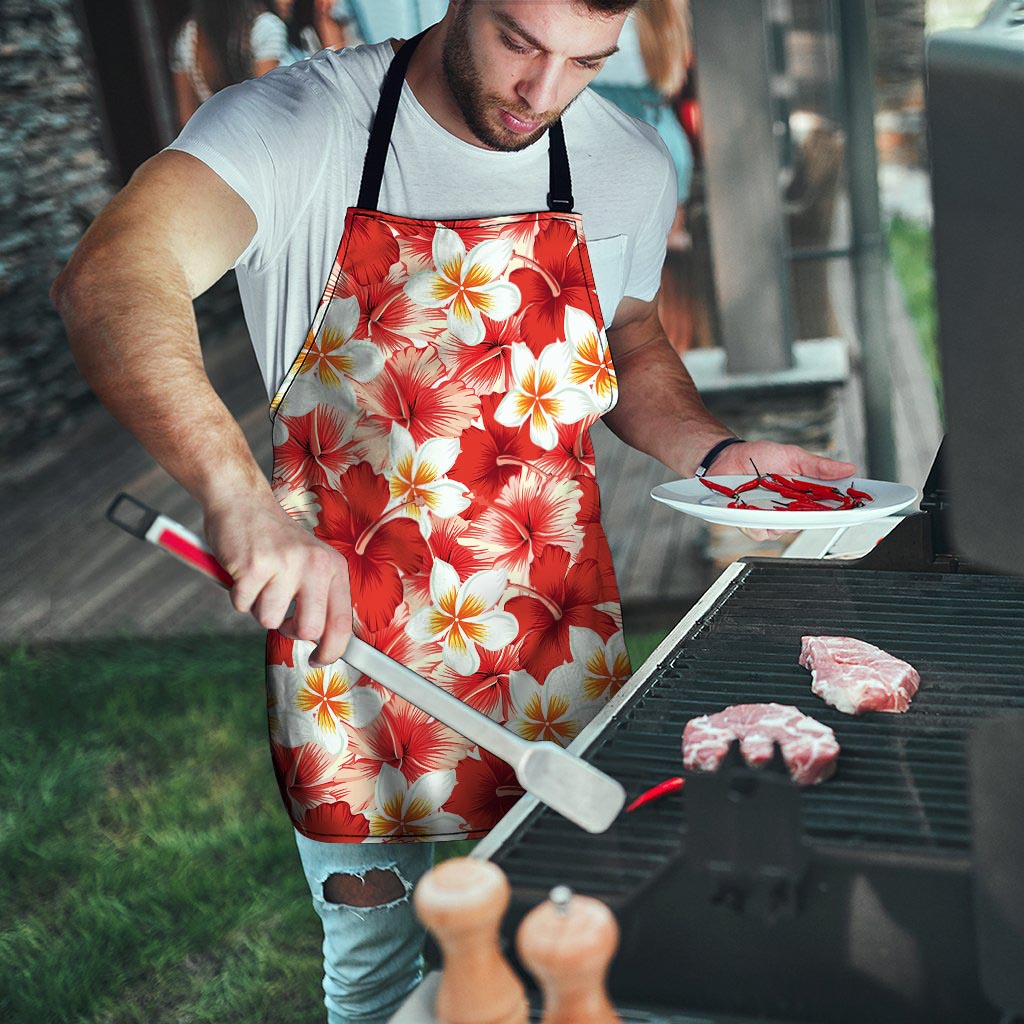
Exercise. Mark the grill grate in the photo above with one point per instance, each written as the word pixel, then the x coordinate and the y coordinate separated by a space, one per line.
pixel 902 779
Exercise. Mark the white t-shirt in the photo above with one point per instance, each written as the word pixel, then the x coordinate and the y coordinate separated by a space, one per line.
pixel 292 144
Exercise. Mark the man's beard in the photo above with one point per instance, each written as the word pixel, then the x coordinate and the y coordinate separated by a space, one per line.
pixel 465 85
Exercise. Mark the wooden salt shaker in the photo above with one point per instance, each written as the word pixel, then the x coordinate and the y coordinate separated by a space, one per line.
pixel 462 901
pixel 567 943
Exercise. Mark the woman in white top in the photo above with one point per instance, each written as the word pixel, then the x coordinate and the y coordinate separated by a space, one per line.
pixel 221 43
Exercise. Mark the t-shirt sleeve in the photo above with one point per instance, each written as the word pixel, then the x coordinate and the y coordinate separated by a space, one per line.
pixel 267 139
pixel 649 249
pixel 269 38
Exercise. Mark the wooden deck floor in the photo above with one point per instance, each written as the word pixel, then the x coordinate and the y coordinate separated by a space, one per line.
pixel 73 575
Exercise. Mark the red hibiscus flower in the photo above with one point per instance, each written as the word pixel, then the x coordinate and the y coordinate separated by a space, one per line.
pixel 485 791
pixel 444 545
pixel 530 513
pixel 318 449
pixel 552 280
pixel 595 546
pixel 521 231
pixel 417 240
pixel 388 317
pixel 411 390
pixel 335 819
pixel 560 597
pixel 590 502
pixel 487 689
pixel 491 457
pixel 305 775
pixel 574 453
pixel 407 739
pixel 486 367
pixel 378 548
pixel 372 249
pixel 280 649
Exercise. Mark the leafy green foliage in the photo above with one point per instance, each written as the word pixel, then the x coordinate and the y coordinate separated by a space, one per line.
pixel 910 248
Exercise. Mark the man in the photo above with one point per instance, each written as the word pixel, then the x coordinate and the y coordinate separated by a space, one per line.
pixel 431 426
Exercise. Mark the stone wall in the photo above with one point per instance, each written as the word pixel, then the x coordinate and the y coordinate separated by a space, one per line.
pixel 54 178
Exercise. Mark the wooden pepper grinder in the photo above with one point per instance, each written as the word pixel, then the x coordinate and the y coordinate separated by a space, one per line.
pixel 462 901
pixel 567 943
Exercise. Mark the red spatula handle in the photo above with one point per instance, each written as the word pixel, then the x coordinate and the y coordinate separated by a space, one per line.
pixel 147 524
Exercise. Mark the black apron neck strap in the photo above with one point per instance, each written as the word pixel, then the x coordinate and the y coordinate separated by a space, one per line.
pixel 383 122
pixel 559 197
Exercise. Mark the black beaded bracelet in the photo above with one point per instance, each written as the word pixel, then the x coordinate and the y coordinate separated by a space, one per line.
pixel 705 463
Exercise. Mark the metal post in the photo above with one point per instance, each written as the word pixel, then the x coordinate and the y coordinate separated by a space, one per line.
pixel 868 239
pixel 748 236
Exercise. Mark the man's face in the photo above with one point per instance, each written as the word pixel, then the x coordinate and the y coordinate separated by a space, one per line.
pixel 513 66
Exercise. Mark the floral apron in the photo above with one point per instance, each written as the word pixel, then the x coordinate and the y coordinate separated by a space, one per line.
pixel 434 430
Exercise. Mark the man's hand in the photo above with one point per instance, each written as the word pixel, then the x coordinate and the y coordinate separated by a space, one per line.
pixel 274 562
pixel 771 457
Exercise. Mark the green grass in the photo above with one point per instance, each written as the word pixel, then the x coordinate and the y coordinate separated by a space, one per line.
pixel 149 872
pixel 910 246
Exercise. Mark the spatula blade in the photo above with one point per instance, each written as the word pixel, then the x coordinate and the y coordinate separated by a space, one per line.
pixel 572 787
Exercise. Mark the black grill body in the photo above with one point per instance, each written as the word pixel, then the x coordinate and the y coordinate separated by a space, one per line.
pixel 846 901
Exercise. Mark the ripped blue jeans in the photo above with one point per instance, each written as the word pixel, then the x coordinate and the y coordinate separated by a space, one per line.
pixel 373 951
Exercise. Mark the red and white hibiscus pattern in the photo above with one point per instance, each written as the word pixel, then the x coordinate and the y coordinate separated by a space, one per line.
pixel 434 430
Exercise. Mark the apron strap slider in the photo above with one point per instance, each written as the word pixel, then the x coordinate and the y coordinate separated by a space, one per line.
pixel 560 204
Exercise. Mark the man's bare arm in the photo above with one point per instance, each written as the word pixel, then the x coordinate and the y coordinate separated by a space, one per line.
pixel 126 300
pixel 661 412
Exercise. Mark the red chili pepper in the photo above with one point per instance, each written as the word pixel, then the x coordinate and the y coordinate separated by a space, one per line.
pixel 863 495
pixel 807 505
pixel 656 792
pixel 721 488
pixel 749 485
pixel 808 487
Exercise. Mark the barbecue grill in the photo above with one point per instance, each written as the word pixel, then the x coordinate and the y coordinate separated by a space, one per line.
pixel 743 895
pixel 893 892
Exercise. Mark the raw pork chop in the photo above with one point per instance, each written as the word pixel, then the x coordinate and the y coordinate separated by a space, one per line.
pixel 809 748
pixel 855 677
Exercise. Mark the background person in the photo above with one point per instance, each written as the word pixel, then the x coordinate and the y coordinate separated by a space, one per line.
pixel 313 25
pixel 648 73
pixel 221 43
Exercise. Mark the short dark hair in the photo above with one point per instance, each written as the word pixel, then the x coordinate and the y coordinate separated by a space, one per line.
pixel 609 6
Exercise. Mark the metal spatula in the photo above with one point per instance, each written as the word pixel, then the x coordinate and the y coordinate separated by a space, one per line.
pixel 573 788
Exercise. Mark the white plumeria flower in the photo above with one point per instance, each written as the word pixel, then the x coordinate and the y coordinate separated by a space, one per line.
pixel 605 665
pixel 404 810
pixel 313 706
pixel 554 710
pixel 467 285
pixel 461 616
pixel 592 366
pixel 417 480
pixel 542 394
pixel 331 356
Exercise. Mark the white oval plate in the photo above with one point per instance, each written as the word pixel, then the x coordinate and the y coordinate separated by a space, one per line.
pixel 693 498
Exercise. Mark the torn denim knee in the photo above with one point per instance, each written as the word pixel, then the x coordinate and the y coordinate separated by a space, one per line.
pixel 336 890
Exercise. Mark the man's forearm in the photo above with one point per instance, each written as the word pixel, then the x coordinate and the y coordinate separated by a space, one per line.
pixel 133 333
pixel 660 411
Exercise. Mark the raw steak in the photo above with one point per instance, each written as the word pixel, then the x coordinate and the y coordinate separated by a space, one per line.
pixel 855 677
pixel 809 748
